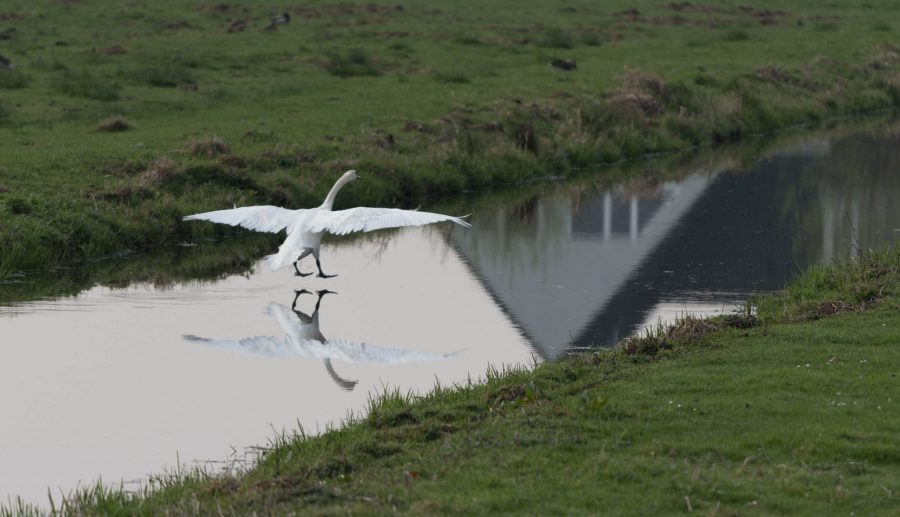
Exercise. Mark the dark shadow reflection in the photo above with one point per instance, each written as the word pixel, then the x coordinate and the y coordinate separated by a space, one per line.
pixel 305 340
pixel 588 268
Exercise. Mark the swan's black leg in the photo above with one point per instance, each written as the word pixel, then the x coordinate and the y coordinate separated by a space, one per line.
pixel 322 273
pixel 297 270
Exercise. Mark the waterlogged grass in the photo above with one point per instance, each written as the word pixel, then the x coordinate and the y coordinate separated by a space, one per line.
pixel 433 101
pixel 793 410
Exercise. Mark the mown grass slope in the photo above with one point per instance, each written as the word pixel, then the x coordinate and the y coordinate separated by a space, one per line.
pixel 116 119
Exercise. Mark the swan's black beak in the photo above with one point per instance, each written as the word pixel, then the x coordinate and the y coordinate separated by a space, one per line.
pixel 358 177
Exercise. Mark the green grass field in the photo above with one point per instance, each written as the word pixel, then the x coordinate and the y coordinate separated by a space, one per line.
pixel 789 411
pixel 118 118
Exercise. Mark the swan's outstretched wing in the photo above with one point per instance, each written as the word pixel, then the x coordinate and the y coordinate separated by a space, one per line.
pixel 260 218
pixel 260 346
pixel 364 219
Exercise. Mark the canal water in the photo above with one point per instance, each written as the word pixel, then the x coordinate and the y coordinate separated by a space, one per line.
pixel 119 383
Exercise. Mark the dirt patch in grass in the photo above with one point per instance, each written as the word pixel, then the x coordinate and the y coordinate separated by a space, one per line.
pixel 220 8
pixel 126 194
pixel 115 124
pixel 237 26
pixel 176 25
pixel 885 57
pixel 114 50
pixel 412 126
pixel 346 9
pixel 830 308
pixel 707 15
pixel 354 62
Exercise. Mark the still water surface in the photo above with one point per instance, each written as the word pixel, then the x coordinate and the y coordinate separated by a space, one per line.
pixel 121 383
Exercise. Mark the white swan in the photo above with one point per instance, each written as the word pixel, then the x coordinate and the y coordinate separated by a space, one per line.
pixel 306 226
pixel 305 340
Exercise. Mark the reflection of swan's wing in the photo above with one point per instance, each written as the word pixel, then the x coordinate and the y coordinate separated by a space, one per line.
pixel 260 218
pixel 296 328
pixel 261 346
pixel 340 350
pixel 364 219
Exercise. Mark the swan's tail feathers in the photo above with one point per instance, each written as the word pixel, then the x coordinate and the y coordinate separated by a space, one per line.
pixel 284 257
pixel 275 262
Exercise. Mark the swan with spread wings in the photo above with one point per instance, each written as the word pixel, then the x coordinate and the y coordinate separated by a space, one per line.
pixel 306 226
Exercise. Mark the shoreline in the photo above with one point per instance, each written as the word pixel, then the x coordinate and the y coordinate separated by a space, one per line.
pixel 739 375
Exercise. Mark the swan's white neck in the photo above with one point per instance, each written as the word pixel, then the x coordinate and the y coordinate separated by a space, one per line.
pixel 329 200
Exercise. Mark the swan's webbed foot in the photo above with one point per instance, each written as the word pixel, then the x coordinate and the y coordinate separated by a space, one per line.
pixel 322 273
pixel 298 273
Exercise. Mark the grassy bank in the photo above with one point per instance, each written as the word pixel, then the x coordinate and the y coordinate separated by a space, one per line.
pixel 792 410
pixel 109 136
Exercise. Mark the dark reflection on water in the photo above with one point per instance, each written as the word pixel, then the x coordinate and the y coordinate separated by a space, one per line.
pixel 584 269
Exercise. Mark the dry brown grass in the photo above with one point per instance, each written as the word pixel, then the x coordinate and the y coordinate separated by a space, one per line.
pixel 208 147
pixel 686 330
pixel 162 170
pixel 115 124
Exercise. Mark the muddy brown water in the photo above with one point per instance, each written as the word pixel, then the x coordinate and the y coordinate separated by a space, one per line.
pixel 118 384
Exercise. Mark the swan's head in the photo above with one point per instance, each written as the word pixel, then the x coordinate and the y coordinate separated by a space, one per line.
pixel 351 175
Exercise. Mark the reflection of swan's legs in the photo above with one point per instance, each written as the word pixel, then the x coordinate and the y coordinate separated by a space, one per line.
pixel 343 383
pixel 303 316
pixel 297 272
pixel 314 319
pixel 321 293
pixel 300 314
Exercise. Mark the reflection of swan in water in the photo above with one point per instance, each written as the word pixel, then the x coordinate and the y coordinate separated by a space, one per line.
pixel 305 340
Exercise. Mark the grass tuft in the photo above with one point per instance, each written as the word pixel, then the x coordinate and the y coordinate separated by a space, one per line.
pixel 208 147
pixel 556 38
pixel 14 79
pixel 354 62
pixel 87 85
pixel 115 124
pixel 452 76
pixel 18 205
pixel 161 171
